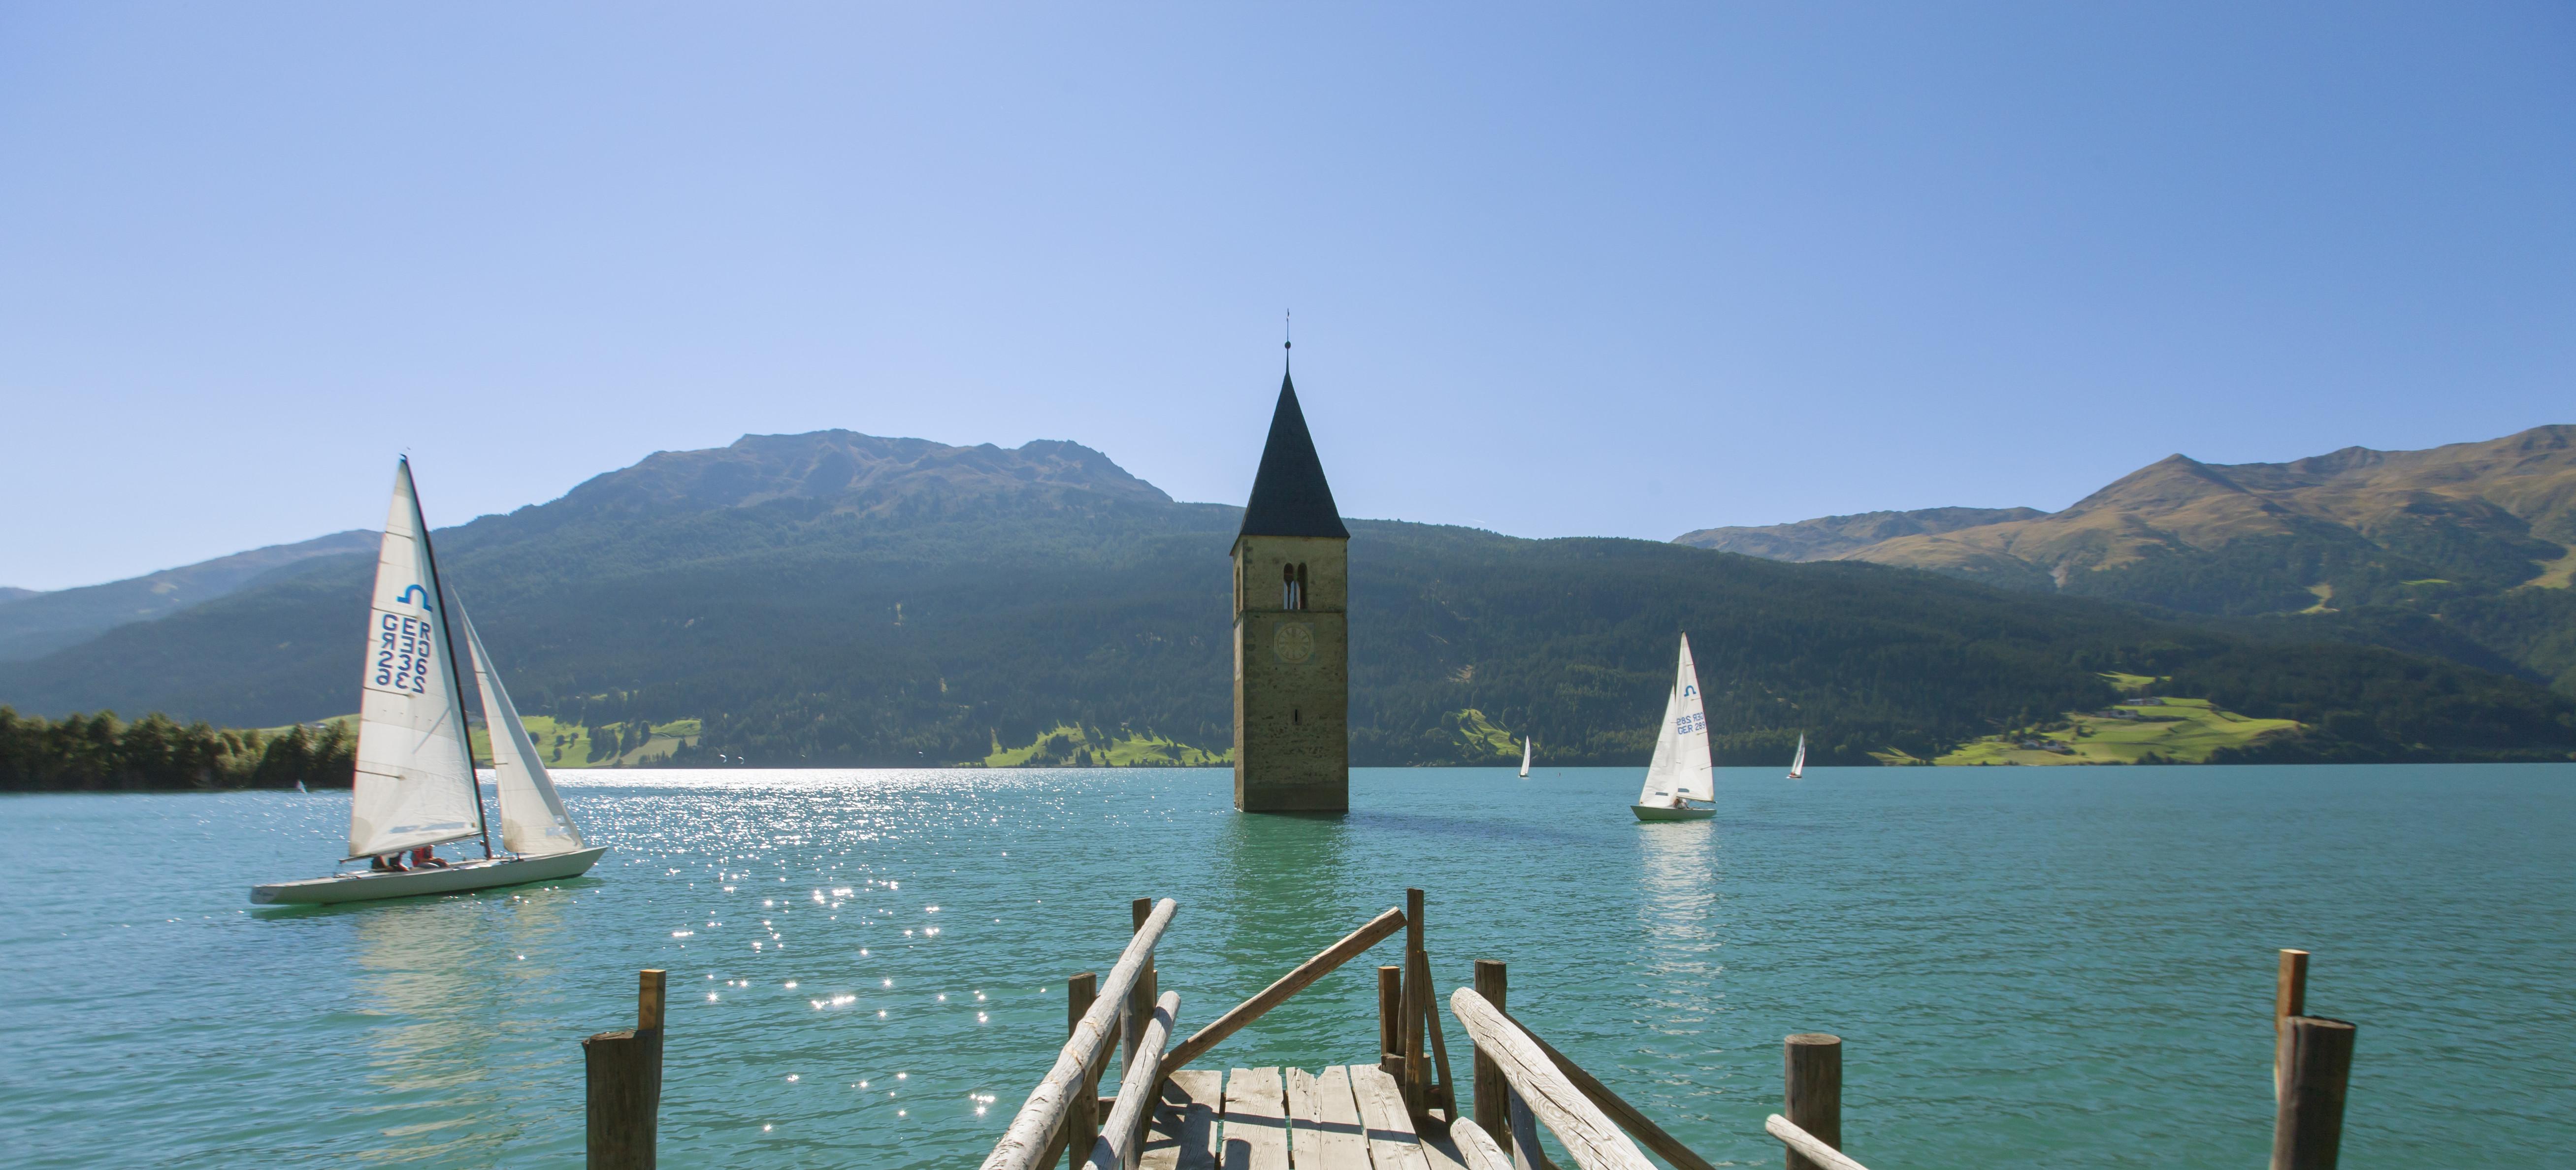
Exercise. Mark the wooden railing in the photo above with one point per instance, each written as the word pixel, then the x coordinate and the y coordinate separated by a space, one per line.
pixel 1035 1131
pixel 2312 1063
pixel 1287 985
pixel 1062 1113
pixel 1588 1135
pixel 1121 1143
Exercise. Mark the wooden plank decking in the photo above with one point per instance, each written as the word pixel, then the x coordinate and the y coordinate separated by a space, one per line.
pixel 1343 1118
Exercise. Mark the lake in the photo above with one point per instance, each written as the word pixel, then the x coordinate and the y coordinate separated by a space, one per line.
pixel 867 967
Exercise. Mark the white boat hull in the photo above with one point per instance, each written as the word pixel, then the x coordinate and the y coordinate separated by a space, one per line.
pixel 367 885
pixel 1659 812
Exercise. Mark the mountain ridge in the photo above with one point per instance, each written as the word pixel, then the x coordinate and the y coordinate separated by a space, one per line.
pixel 2446 533
pixel 1828 536
pixel 37 623
pixel 833 598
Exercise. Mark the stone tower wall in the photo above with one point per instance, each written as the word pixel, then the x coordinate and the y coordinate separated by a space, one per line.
pixel 1292 677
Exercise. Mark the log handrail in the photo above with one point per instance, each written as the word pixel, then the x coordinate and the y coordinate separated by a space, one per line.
pixel 1476 1147
pixel 1808 1144
pixel 1032 1130
pixel 1589 1136
pixel 1287 985
pixel 1647 1133
pixel 1122 1137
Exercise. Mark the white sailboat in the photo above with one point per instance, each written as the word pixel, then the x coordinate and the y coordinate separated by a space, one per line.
pixel 415 782
pixel 1525 757
pixel 1798 766
pixel 1681 771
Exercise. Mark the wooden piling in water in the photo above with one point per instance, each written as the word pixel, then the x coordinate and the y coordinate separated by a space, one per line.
pixel 1493 1113
pixel 623 1084
pixel 2315 1062
pixel 1390 1021
pixel 1813 1087
pixel 2289 998
pixel 1417 1062
pixel 1082 1118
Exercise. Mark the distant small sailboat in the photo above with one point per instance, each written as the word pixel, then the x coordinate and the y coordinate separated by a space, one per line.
pixel 299 787
pixel 1681 771
pixel 1525 757
pixel 1798 766
pixel 415 782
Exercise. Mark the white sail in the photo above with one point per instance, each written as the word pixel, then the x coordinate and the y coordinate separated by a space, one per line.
pixel 1525 756
pixel 1681 766
pixel 1798 766
pixel 1658 792
pixel 415 781
pixel 533 820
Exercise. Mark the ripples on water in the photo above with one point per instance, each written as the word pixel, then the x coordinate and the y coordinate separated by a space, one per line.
pixel 867 968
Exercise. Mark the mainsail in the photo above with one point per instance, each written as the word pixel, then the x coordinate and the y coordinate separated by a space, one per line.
pixel 1681 766
pixel 1798 767
pixel 1525 756
pixel 533 820
pixel 415 780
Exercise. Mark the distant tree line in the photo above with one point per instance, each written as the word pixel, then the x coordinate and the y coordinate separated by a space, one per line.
pixel 100 753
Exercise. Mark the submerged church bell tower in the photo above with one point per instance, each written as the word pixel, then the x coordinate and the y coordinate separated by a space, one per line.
pixel 1292 676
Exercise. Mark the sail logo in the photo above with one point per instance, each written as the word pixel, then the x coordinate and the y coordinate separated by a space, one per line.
pixel 405 597
pixel 1690 724
pixel 405 651
pixel 1688 689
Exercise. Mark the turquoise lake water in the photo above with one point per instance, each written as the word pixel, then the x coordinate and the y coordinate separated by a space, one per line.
pixel 2062 965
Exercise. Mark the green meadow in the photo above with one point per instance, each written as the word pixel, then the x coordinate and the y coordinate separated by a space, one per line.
pixel 1070 745
pixel 2182 731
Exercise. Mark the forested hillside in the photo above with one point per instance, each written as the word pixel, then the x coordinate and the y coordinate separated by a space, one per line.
pixel 839 599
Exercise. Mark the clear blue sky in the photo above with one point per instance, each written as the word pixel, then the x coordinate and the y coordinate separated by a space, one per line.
pixel 1565 269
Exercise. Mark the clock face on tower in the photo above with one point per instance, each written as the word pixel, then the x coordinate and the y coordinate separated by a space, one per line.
pixel 1294 642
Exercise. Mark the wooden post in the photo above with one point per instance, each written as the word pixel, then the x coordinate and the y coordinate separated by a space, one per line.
pixel 1390 1020
pixel 1493 1113
pixel 2315 1059
pixel 1527 1154
pixel 1082 1120
pixel 2289 998
pixel 1140 1002
pixel 1440 1091
pixel 650 983
pixel 1417 1062
pixel 623 1084
pixel 1814 1086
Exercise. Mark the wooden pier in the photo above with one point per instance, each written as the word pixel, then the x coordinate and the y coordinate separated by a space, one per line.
pixel 1344 1117
pixel 1403 1112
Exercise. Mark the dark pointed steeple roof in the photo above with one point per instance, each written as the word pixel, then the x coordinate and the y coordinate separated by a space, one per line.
pixel 1289 495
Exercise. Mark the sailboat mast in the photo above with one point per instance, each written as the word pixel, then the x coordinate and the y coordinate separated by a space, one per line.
pixel 447 634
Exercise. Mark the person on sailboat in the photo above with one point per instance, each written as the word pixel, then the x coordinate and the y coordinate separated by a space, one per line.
pixel 386 863
pixel 422 858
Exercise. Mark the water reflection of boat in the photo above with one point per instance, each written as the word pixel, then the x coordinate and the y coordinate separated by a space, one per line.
pixel 1680 772
pixel 415 784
